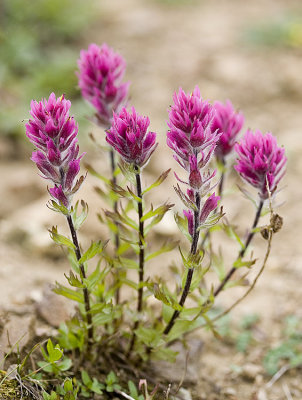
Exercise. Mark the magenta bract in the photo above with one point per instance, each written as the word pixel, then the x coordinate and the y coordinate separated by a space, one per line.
pixel 260 160
pixel 229 123
pixel 101 71
pixel 54 133
pixel 191 131
pixel 129 137
pixel 193 139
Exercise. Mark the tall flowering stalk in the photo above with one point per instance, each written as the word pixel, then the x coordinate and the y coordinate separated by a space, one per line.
pixel 193 140
pixel 101 72
pixel 261 163
pixel 129 137
pixel 54 133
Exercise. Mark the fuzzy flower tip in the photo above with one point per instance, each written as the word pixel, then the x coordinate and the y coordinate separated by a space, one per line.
pixel 260 160
pixel 101 71
pixel 190 127
pixel 129 137
pixel 54 133
pixel 229 123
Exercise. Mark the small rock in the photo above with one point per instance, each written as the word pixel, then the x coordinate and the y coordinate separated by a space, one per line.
pixel 229 391
pixel 54 309
pixel 261 395
pixel 18 330
pixel 185 394
pixel 259 380
pixel 250 371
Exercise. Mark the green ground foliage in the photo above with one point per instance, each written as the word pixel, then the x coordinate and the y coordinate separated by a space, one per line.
pixel 40 42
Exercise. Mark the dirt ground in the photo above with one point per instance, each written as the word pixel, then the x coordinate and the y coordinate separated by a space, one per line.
pixel 170 44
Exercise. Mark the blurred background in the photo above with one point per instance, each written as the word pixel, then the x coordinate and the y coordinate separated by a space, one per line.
pixel 248 52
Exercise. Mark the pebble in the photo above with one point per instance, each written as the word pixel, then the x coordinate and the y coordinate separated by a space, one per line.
pixel 54 309
pixel 185 394
pixel 250 371
pixel 17 332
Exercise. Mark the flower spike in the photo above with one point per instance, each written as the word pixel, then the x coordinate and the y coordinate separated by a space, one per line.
pixel 260 161
pixel 54 133
pixel 129 137
pixel 101 71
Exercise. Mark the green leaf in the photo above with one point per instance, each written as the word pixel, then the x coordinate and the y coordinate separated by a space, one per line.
pixel 182 226
pixel 199 273
pixel 93 172
pixel 74 280
pixel 60 208
pixel 65 364
pixel 102 318
pixel 230 231
pixel 218 264
pixel 239 263
pixel 164 249
pixel 158 181
pixel 167 312
pixel 165 298
pixel 78 220
pixel 128 263
pixel 60 239
pixel 94 249
pixel 69 293
pixel 148 336
pixel 72 258
pixel 164 353
pixel 86 378
pixel 96 386
pixel 94 278
pixel 130 283
pixel 68 385
pixel 159 211
pixel 54 353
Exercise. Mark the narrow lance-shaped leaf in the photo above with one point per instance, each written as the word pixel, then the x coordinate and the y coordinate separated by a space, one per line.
pixel 78 220
pixel 164 249
pixel 94 249
pixel 165 298
pixel 60 239
pixel 158 182
pixel 69 293
pixel 230 231
pixel 161 210
pixel 93 172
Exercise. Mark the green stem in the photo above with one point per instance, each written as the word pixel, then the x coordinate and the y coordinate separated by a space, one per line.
pixel 116 235
pixel 243 250
pixel 82 276
pixel 193 251
pixel 141 252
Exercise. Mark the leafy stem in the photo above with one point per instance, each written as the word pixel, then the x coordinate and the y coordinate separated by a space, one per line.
pixel 193 251
pixel 82 276
pixel 141 250
pixel 243 250
pixel 116 235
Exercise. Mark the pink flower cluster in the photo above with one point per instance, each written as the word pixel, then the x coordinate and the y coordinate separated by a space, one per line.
pixel 129 137
pixel 54 133
pixel 228 123
pixel 193 140
pixel 191 132
pixel 260 161
pixel 101 71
